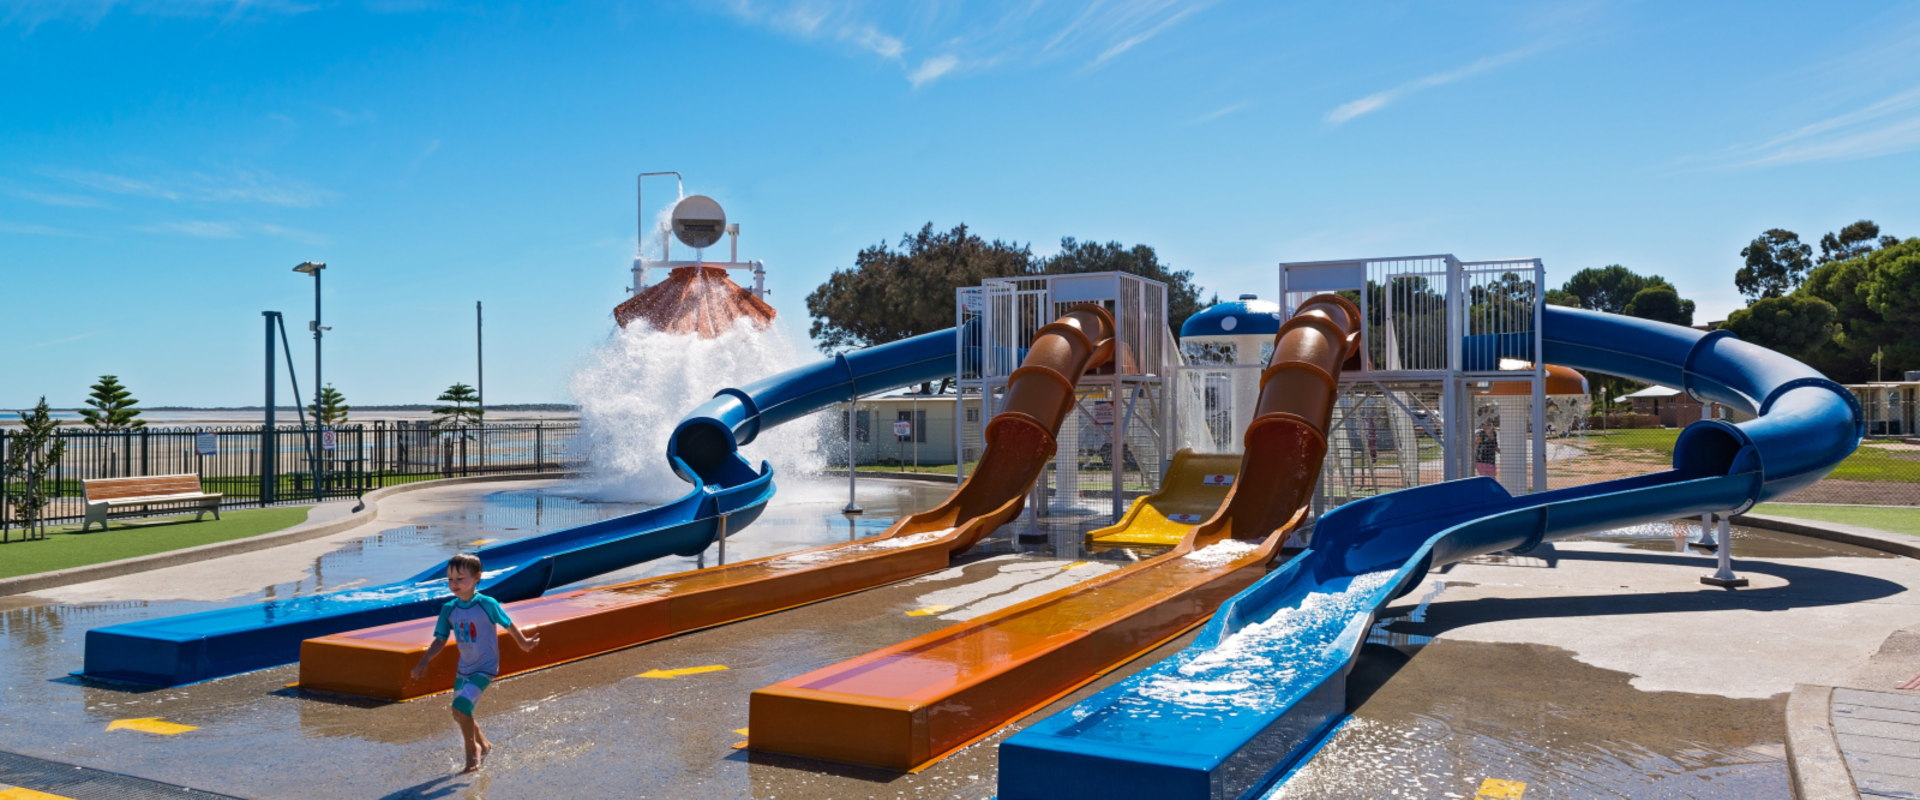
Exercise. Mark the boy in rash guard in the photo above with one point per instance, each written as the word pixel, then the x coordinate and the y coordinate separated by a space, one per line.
pixel 471 617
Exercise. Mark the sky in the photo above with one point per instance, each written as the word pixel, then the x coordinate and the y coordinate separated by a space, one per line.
pixel 165 163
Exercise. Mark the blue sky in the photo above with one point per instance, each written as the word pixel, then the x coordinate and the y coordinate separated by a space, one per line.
pixel 164 164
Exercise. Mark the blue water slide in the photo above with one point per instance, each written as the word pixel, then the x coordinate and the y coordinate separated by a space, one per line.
pixel 183 649
pixel 1265 680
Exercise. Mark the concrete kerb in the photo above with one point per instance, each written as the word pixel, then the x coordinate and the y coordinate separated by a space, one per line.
pixel 367 511
pixel 930 477
pixel 1814 765
pixel 1896 543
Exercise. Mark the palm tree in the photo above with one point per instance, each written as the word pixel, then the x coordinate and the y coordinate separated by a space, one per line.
pixel 332 408
pixel 112 407
pixel 464 411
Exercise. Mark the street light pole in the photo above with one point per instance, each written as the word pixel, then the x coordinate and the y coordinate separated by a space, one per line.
pixel 313 268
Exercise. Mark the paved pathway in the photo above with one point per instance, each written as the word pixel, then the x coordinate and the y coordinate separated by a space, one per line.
pixel 1879 734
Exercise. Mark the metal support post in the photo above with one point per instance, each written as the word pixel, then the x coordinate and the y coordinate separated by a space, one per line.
pixel 1706 533
pixel 721 534
pixel 853 507
pixel 1724 577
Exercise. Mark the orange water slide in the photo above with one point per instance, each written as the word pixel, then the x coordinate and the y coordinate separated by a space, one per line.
pixel 378 662
pixel 908 705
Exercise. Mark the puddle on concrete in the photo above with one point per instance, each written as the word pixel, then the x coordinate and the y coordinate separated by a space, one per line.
pixel 1676 536
pixel 1438 720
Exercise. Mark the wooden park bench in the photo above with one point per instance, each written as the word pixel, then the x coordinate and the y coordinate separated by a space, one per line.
pixel 108 495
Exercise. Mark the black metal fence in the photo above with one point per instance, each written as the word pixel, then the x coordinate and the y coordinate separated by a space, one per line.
pixel 287 466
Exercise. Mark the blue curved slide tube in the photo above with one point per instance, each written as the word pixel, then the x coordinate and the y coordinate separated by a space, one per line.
pixel 1265 680
pixel 184 649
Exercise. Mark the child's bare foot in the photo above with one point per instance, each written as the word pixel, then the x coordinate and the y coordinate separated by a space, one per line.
pixel 472 766
pixel 486 749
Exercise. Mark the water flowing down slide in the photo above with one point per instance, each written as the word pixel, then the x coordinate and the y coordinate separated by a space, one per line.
pixel 377 662
pixel 1266 679
pixel 171 651
pixel 907 705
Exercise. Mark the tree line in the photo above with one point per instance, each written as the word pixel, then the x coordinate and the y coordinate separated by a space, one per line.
pixel 893 292
pixel 1853 312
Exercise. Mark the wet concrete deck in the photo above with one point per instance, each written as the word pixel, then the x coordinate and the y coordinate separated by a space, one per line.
pixel 1597 668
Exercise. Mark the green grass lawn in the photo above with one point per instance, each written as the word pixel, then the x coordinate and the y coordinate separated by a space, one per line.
pixel 1885 518
pixel 1872 462
pixel 65 547
pixel 931 469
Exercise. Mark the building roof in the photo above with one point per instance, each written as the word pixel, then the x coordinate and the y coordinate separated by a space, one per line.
pixel 1651 392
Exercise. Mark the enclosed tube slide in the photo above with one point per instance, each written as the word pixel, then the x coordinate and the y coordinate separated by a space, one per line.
pixel 378 662
pixel 912 703
pixel 704 450
pixel 1266 679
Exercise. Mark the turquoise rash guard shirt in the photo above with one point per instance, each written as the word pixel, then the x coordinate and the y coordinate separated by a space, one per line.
pixel 471 625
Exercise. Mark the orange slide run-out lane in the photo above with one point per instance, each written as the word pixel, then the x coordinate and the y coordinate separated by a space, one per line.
pixel 909 704
pixel 377 662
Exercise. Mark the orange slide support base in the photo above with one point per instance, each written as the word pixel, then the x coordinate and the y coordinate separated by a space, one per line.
pixel 378 662
pixel 907 705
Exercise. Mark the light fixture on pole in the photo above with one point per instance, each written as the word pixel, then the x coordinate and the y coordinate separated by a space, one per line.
pixel 313 268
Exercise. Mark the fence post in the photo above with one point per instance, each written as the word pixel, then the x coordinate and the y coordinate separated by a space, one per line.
pixel 539 447
pixel 6 492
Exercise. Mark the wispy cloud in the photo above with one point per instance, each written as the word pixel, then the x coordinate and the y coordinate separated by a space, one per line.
pixel 1209 117
pixel 932 68
pixel 1378 100
pixel 28 229
pixel 345 117
pixel 1130 42
pixel 1889 126
pixel 234 229
pixel 931 41
pixel 53 199
pixel 32 13
pixel 243 186
pixel 52 342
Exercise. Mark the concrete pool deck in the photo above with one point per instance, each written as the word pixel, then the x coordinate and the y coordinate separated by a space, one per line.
pixel 1595 668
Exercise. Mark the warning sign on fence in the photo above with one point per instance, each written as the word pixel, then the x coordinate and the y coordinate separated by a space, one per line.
pixel 327 440
pixel 1217 480
pixel 206 444
pixel 903 429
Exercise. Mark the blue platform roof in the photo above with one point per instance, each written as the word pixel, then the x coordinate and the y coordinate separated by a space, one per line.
pixel 1248 315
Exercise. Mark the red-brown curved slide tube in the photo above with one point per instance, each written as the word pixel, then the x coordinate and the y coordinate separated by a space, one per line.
pixel 910 704
pixel 377 662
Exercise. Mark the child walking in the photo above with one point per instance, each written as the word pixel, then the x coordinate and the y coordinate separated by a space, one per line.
pixel 471 617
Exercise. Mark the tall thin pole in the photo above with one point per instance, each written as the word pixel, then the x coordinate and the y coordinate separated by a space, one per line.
pixel 480 360
pixel 319 458
pixel 269 443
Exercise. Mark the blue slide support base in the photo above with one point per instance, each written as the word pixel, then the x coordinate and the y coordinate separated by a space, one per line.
pixel 1157 730
pixel 189 648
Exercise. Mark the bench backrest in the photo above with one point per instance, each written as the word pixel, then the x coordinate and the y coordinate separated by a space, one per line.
pixel 145 486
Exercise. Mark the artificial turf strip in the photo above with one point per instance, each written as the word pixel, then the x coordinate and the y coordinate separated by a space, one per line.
pixel 1896 519
pixel 65 547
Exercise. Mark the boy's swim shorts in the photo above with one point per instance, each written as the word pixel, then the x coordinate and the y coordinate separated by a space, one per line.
pixel 466 691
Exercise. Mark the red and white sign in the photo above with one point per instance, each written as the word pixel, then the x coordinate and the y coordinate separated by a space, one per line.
pixel 1217 480
pixel 1183 517
pixel 903 429
pixel 327 440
